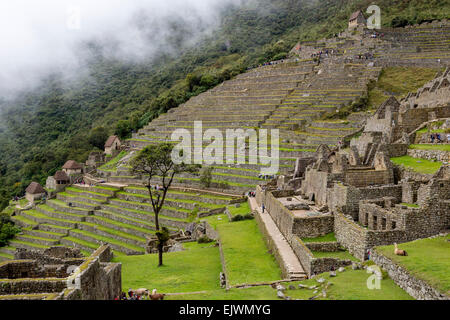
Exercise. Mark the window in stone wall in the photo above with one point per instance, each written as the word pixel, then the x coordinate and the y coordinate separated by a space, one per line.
pixel 375 222
pixel 383 223
pixel 393 225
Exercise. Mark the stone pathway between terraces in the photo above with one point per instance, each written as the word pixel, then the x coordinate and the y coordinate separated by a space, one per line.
pixel 294 268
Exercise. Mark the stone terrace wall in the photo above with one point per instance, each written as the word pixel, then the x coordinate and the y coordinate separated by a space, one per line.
pixel 433 155
pixel 313 265
pixel 312 227
pixel 416 288
pixel 363 178
pixel 96 280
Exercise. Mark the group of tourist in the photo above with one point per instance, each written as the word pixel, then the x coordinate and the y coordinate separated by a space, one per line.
pixel 365 56
pixel 325 53
pixel 251 194
pixel 376 35
pixel 436 138
pixel 266 176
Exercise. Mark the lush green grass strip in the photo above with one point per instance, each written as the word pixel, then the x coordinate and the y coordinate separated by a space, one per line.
pixel 195 269
pixel 243 209
pixel 247 259
pixel 329 237
pixel 427 259
pixel 418 165
pixel 439 147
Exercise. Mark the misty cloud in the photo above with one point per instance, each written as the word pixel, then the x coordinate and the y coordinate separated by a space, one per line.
pixel 39 37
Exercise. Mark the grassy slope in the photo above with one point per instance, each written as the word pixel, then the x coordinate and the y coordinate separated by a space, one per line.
pixel 418 165
pixel 242 210
pixel 428 259
pixel 349 285
pixel 195 269
pixel 246 257
pixel 398 81
pixel 441 147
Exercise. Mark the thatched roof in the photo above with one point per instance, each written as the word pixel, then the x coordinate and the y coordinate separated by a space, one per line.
pixel 34 188
pixel 61 176
pixel 71 164
pixel 355 15
pixel 110 141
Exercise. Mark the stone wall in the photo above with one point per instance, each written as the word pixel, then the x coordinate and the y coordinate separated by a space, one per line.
pixel 351 235
pixel 313 265
pixel 312 227
pixel 358 240
pixel 364 178
pixel 415 287
pixel 323 246
pixel 433 155
pixel 346 198
pixel 272 247
pixel 91 278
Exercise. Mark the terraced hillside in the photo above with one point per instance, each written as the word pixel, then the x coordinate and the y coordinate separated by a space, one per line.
pixel 419 45
pixel 290 96
pixel 85 217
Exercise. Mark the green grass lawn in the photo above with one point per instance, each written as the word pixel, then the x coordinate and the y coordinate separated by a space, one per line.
pixel 352 285
pixel 254 293
pixel 428 259
pixel 326 238
pixel 242 210
pixel 440 147
pixel 246 256
pixel 348 285
pixel 195 269
pixel 411 205
pixel 418 165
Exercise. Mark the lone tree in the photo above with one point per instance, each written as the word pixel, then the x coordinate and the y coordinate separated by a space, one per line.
pixel 155 161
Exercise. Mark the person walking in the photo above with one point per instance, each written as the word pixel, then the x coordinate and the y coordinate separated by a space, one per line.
pixel 263 207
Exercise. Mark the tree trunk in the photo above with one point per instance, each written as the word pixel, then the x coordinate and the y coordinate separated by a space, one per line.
pixel 160 255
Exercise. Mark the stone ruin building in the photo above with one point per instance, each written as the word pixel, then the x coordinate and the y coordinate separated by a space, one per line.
pixel 358 193
pixel 34 192
pixel 60 273
pixel 57 182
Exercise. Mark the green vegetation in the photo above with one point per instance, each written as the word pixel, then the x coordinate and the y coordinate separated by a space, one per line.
pixel 41 129
pixel 153 161
pixel 112 164
pixel 7 229
pixel 411 205
pixel 329 237
pixel 245 253
pixel 343 255
pixel 243 209
pixel 440 147
pixel 352 285
pixel 427 259
pixel 348 285
pixel 195 269
pixel 418 165
pixel 397 81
